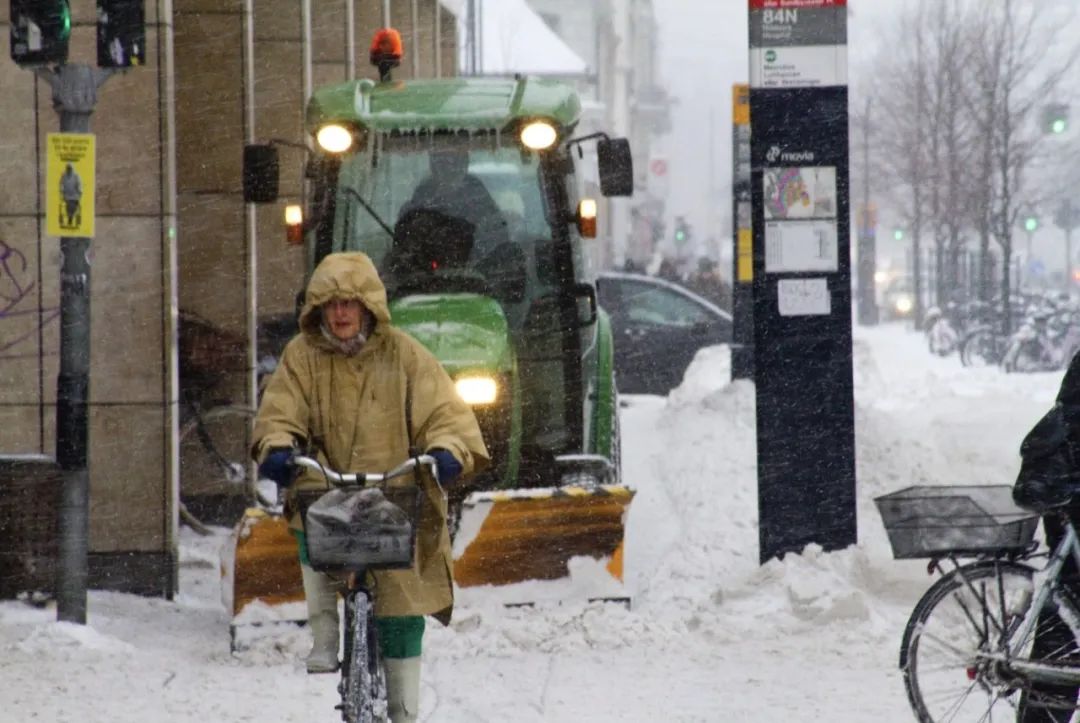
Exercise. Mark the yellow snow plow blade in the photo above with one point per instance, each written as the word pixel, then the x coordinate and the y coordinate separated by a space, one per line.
pixel 521 535
pixel 266 566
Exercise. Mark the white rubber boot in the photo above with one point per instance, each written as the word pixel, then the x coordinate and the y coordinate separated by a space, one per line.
pixel 403 688
pixel 321 593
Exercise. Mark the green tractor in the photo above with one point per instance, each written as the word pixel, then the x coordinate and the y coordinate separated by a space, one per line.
pixel 465 194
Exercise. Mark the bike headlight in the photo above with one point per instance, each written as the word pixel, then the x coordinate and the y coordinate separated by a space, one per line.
pixel 477 390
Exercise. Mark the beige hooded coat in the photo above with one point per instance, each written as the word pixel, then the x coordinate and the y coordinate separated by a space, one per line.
pixel 350 412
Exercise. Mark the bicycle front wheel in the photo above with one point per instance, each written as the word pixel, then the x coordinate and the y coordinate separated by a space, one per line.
pixel 363 681
pixel 955 639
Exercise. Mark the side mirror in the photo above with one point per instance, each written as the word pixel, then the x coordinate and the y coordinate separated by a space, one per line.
pixel 616 167
pixel 260 174
pixel 588 292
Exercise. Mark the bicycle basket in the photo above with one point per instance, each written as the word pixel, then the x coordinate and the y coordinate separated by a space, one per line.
pixel 363 529
pixel 928 521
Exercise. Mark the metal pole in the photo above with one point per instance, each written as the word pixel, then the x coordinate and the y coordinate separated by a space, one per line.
pixel 1068 260
pixel 305 29
pixel 471 37
pixel 74 91
pixel 438 39
pixel 867 256
pixel 386 13
pixel 350 40
pixel 416 38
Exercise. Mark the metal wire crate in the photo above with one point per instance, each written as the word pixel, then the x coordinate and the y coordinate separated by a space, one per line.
pixel 928 521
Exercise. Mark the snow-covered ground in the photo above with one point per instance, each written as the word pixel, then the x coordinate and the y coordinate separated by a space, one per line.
pixel 711 636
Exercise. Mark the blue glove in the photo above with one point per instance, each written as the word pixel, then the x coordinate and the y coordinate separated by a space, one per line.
pixel 449 467
pixel 278 466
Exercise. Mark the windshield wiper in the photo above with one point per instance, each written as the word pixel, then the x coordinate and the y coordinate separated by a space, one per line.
pixel 367 207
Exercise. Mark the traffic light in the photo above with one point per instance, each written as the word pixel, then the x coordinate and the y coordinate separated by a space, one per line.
pixel 1031 223
pixel 682 231
pixel 898 234
pixel 121 33
pixel 1055 118
pixel 40 30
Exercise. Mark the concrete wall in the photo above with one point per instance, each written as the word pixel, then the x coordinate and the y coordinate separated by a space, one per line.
pixel 132 378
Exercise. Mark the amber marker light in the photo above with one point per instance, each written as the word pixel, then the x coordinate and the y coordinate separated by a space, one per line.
pixel 294 225
pixel 386 47
pixel 586 217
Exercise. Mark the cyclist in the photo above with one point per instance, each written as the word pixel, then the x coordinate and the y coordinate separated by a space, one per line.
pixel 358 394
pixel 1049 472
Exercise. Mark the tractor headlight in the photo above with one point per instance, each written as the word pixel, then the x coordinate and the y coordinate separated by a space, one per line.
pixel 538 135
pixel 334 138
pixel 477 390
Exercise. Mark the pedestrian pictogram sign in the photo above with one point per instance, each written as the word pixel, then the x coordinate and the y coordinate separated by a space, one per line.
pixel 69 185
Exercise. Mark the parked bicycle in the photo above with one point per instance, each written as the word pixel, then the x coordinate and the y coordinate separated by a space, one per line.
pixel 967 649
pixel 364 524
pixel 214 450
pixel 1046 341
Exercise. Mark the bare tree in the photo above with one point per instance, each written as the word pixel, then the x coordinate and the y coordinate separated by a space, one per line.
pixel 903 94
pixel 1011 80
pixel 959 91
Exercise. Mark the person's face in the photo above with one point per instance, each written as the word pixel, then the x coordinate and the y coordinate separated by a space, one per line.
pixel 343 317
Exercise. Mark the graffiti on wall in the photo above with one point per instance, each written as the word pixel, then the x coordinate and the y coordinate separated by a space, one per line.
pixel 17 302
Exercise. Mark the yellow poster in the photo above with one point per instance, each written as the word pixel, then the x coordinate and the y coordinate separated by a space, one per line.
pixel 69 185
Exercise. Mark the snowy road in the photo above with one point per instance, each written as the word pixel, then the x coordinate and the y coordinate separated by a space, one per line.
pixel 711 635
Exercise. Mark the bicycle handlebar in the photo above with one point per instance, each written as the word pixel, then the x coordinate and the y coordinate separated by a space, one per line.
pixel 358 478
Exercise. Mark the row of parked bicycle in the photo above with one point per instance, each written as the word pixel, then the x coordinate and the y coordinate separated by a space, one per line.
pixel 1044 332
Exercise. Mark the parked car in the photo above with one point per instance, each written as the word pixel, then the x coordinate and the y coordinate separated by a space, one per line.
pixel 658 326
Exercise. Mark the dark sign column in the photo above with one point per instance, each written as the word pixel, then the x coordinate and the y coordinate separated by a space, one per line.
pixel 801 275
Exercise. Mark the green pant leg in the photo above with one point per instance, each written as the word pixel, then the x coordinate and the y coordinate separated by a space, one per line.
pixel 400 636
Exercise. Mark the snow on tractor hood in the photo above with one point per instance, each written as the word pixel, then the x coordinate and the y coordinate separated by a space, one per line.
pixel 465 332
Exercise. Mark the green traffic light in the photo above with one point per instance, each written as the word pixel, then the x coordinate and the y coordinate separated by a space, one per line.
pixel 1031 223
pixel 64 10
pixel 898 234
pixel 1059 125
pixel 680 235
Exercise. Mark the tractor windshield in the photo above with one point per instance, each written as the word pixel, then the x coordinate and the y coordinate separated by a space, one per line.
pixel 448 212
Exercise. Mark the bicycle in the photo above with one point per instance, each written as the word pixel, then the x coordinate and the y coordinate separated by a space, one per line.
pixel 382 537
pixel 213 449
pixel 968 646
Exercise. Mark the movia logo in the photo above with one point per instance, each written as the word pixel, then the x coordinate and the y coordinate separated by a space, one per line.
pixel 770 56
pixel 775 153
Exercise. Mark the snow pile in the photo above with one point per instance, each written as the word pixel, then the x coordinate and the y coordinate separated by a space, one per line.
pixel 63 638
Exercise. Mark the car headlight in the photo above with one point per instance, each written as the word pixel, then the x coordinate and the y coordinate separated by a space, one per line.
pixel 904 304
pixel 477 390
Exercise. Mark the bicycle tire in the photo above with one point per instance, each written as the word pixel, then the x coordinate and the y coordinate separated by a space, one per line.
pixel 981 348
pixel 947 655
pixel 217 462
pixel 363 680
